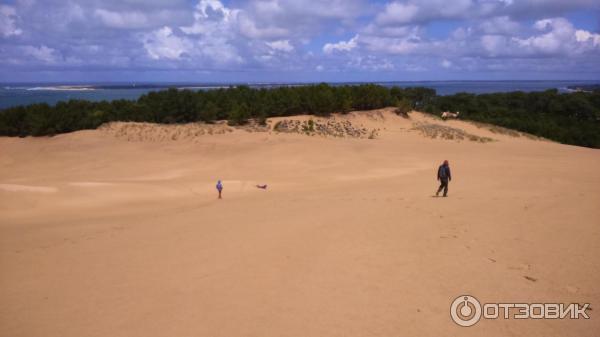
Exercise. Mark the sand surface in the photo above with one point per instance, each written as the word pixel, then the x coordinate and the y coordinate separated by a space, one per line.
pixel 118 232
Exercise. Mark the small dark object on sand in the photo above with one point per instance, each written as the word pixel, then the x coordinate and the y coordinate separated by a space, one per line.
pixel 264 187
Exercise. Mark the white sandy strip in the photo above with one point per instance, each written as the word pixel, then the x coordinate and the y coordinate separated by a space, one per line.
pixel 90 184
pixel 27 188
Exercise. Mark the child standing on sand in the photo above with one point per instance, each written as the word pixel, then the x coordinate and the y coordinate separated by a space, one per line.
pixel 219 188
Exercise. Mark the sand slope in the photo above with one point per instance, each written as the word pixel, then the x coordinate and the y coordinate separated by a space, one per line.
pixel 118 232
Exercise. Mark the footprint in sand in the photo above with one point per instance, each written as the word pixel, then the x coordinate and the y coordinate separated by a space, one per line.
pixel 529 278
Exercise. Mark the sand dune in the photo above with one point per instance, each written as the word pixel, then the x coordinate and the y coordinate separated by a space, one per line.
pixel 118 232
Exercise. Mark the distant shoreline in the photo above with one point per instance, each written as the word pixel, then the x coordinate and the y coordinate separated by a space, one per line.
pixel 585 88
pixel 82 86
pixel 16 94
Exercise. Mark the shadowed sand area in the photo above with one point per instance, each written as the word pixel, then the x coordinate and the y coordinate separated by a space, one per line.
pixel 118 232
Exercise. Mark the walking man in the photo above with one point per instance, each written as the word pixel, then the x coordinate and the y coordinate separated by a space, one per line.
pixel 444 176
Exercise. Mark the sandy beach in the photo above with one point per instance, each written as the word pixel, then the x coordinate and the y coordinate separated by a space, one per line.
pixel 118 231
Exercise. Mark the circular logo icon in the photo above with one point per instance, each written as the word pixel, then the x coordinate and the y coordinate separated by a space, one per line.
pixel 465 310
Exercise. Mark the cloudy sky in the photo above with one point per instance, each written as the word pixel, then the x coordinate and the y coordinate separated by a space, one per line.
pixel 298 40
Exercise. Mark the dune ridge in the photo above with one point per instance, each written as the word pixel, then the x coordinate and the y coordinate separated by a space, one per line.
pixel 367 125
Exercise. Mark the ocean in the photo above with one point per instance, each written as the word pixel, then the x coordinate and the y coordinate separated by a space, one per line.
pixel 24 94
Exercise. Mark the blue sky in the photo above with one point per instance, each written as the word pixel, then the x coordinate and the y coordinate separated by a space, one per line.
pixel 298 40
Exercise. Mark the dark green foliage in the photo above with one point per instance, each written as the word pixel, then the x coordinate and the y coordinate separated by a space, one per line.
pixel 569 118
pixel 238 115
pixel 236 104
pixel 206 111
pixel 572 118
pixel 403 106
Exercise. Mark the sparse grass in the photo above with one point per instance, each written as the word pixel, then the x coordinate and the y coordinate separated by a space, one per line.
pixel 505 131
pixel 328 128
pixel 445 132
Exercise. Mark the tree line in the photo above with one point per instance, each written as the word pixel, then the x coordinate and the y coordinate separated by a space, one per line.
pixel 235 104
pixel 569 118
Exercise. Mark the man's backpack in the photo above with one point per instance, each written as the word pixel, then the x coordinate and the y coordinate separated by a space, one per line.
pixel 442 172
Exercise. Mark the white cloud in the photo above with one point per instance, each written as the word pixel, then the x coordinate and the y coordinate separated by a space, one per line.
pixel 163 44
pixel 8 21
pixel 248 28
pixel 42 53
pixel 332 9
pixel 584 36
pixel 397 12
pixel 121 19
pixel 551 37
pixel 559 37
pixel 391 31
pixel 370 63
pixel 215 33
pixel 212 17
pixel 399 46
pixel 281 45
pixel 280 35
pixel 495 45
pixel 341 46
pixel 500 25
pixel 417 11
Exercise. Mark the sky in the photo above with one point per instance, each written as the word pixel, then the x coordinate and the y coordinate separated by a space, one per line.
pixel 298 40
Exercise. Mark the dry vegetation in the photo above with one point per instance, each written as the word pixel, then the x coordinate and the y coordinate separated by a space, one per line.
pixel 505 131
pixel 329 128
pixel 151 132
pixel 446 132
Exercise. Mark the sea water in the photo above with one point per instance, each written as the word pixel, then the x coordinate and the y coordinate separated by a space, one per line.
pixel 29 93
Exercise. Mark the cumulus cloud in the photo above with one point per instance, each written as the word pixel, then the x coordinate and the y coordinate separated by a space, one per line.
pixel 583 36
pixel 211 17
pixel 281 45
pixel 248 27
pixel 340 46
pixel 502 25
pixel 558 37
pixel 286 35
pixel 397 12
pixel 214 32
pixel 162 43
pixel 404 12
pixel 400 12
pixel 8 21
pixel 41 53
